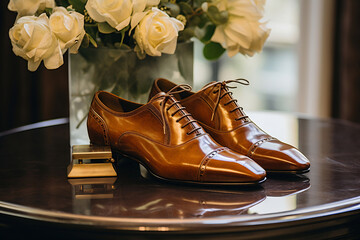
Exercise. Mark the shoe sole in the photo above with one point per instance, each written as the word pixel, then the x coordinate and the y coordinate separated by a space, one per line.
pixel 288 172
pixel 119 154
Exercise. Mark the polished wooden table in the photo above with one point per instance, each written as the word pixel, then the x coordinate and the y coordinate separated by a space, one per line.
pixel 37 199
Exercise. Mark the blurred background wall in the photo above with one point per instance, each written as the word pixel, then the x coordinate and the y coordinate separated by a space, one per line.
pixel 309 65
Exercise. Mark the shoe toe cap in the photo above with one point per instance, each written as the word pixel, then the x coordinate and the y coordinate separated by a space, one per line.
pixel 229 167
pixel 279 156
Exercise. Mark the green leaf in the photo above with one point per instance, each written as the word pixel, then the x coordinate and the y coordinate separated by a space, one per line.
pixel 194 21
pixel 213 51
pixel 48 11
pixel 91 25
pixel 212 11
pixel 209 32
pixel 198 3
pixel 185 8
pixel 216 16
pixel 78 5
pixel 92 40
pixel 204 20
pixel 62 3
pixel 85 42
pixel 122 46
pixel 123 32
pixel 223 17
pixel 173 8
pixel 105 28
pixel 91 29
pixel 186 34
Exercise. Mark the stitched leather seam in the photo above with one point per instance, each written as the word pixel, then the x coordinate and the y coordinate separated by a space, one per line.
pixel 206 160
pixel 156 113
pixel 255 145
pixel 102 124
pixel 189 99
pixel 151 140
pixel 206 100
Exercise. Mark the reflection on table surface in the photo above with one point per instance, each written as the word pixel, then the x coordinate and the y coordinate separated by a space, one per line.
pixel 34 162
pixel 133 195
pixel 136 194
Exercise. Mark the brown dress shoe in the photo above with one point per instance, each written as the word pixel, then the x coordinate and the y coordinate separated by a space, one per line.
pixel 163 137
pixel 218 113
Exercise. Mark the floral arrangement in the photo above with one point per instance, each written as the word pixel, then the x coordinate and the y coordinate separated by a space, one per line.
pixel 45 29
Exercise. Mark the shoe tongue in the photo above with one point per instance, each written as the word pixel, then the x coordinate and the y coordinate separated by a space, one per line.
pixel 161 95
pixel 158 95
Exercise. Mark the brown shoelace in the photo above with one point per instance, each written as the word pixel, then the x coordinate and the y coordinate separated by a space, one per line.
pixel 217 86
pixel 186 115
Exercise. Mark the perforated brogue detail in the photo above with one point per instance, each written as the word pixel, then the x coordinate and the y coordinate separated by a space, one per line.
pixel 206 160
pixel 102 124
pixel 257 144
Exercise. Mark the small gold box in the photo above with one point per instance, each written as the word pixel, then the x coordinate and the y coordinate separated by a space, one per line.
pixel 91 152
pixel 91 161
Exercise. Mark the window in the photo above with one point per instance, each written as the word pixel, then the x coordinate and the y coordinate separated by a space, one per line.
pixel 298 48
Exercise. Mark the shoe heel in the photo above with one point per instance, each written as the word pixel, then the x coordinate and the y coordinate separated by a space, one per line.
pixel 97 129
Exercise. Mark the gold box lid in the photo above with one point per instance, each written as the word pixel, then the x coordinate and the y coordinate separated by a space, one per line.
pixel 91 152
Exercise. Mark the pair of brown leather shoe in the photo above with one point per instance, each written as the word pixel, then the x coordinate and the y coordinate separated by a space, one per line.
pixel 163 136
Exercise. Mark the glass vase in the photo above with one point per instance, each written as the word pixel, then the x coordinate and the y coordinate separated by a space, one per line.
pixel 120 72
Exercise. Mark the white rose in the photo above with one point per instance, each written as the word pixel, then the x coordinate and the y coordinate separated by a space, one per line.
pixel 32 39
pixel 30 7
pixel 116 13
pixel 260 5
pixel 157 33
pixel 68 27
pixel 243 32
pixel 139 10
pixel 119 13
